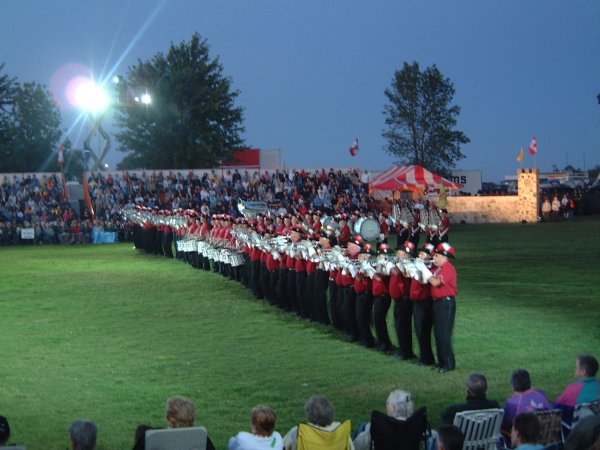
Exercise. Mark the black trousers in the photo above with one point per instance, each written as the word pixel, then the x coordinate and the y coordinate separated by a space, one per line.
pixel 334 314
pixel 320 296
pixel 403 326
pixel 309 296
pixel 364 315
pixel 281 290
pixel 291 290
pixel 301 294
pixel 256 287
pixel 347 295
pixel 444 312
pixel 423 318
pixel 381 306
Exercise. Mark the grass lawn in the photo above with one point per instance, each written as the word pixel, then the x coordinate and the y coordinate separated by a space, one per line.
pixel 107 333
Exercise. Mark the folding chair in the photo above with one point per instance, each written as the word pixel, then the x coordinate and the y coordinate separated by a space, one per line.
pixel 481 428
pixel 388 433
pixel 312 438
pixel 550 421
pixel 581 411
pixel 193 438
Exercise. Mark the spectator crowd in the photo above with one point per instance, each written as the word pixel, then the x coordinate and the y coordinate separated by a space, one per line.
pixel 521 426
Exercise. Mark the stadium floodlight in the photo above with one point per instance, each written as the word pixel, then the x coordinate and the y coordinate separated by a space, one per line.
pixel 146 99
pixel 91 97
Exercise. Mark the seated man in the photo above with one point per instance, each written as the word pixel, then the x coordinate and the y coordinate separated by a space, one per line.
pixel 83 435
pixel 585 389
pixel 524 399
pixel 320 413
pixel 525 432
pixel 476 398
pixel 449 437
pixel 399 405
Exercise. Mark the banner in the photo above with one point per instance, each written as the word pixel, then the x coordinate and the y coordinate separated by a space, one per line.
pixel 27 233
pixel 104 237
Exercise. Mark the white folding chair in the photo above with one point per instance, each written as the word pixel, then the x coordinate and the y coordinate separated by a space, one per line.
pixel 481 428
pixel 193 438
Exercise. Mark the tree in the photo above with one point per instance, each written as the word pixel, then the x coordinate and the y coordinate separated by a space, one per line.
pixel 30 129
pixel 7 92
pixel 192 120
pixel 421 119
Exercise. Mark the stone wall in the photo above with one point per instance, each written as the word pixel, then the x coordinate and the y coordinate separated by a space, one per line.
pixel 498 209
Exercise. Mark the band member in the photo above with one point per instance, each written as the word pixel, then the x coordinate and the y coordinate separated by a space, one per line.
pixel 295 235
pixel 364 301
pixel 301 276
pixel 346 293
pixel 422 306
pixel 444 288
pixel 444 229
pixel 345 232
pixel 400 290
pixel 381 306
pixel 323 280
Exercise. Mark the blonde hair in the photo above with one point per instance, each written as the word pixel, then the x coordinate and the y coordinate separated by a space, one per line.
pixel 180 412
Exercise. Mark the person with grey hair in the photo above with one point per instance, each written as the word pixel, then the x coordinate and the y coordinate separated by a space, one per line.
pixel 476 398
pixel 399 405
pixel 320 413
pixel 83 435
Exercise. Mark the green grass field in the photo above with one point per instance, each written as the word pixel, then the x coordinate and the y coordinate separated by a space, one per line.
pixel 107 333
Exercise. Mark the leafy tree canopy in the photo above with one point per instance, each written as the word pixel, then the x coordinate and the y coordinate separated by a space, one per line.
pixel 29 127
pixel 192 120
pixel 421 119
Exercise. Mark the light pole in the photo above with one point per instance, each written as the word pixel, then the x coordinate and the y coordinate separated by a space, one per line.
pixel 94 100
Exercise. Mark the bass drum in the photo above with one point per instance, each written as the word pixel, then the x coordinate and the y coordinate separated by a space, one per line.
pixel 368 228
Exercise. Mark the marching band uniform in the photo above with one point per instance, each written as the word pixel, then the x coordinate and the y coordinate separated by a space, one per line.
pixel 310 293
pixel 364 309
pixel 420 296
pixel 300 270
pixel 381 305
pixel 403 306
pixel 444 288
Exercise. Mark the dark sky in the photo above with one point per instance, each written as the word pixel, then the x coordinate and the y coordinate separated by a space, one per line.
pixel 312 73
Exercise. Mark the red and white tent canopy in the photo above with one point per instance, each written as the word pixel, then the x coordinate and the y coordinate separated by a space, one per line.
pixel 410 177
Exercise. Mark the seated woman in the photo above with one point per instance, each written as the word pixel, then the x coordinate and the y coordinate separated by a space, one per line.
pixel 180 413
pixel 524 399
pixel 263 435
pixel 320 413
pixel 399 405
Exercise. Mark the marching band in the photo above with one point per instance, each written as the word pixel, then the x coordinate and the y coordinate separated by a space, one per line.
pixel 316 267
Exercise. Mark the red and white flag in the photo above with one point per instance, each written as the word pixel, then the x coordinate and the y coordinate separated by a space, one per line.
pixel 61 156
pixel 533 147
pixel 354 147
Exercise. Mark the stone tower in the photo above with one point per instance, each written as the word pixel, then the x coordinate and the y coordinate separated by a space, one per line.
pixel 529 199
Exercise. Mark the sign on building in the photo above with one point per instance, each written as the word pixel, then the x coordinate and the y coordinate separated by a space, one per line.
pixel 471 179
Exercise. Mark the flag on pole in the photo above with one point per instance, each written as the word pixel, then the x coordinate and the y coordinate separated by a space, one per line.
pixel 61 156
pixel 533 146
pixel 354 147
pixel 521 155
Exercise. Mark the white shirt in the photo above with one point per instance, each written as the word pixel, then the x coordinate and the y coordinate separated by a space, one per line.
pixel 248 441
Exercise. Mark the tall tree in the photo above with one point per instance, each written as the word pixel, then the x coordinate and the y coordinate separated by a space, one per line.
pixel 30 130
pixel 192 120
pixel 421 119
pixel 7 92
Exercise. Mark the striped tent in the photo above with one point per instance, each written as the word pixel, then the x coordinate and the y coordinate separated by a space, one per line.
pixel 410 178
